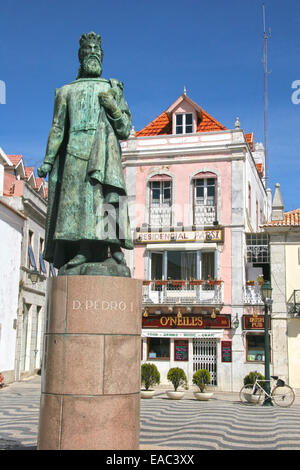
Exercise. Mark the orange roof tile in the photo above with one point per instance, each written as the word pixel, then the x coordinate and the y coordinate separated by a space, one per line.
pixel 209 124
pixel 159 126
pixel 39 182
pixel 15 159
pixel 250 140
pixel 162 125
pixel 291 218
pixel 28 171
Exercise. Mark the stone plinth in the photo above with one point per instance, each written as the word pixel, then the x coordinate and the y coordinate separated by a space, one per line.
pixel 91 365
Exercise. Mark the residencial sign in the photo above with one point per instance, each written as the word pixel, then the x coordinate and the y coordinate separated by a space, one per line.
pixel 204 236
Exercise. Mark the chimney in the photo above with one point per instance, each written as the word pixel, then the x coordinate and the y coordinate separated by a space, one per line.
pixel 277 205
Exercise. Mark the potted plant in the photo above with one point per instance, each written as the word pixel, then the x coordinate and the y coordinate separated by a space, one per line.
pixel 178 283
pixel 161 283
pixel 260 279
pixel 201 378
pixel 250 283
pixel 146 282
pixel 246 391
pixel 177 377
pixel 196 282
pixel 149 376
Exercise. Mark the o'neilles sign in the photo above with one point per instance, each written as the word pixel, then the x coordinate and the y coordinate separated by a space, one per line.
pixel 191 321
pixel 204 236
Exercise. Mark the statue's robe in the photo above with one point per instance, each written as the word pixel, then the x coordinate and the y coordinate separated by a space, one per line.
pixel 87 176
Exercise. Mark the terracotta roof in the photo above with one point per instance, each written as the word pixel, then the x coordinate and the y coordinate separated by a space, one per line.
pixel 28 171
pixel 209 124
pixel 39 182
pixel 15 159
pixel 259 167
pixel 290 219
pixel 250 140
pixel 162 125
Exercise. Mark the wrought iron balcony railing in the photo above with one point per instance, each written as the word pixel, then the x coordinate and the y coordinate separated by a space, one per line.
pixel 160 215
pixel 294 303
pixel 204 214
pixel 174 292
pixel 252 295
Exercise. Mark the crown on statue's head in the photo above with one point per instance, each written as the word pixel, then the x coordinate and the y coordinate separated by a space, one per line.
pixel 90 37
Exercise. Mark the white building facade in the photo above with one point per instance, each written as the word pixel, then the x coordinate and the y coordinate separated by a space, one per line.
pixel 26 195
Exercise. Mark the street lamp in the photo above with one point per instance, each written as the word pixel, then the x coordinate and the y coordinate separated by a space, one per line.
pixel 34 276
pixel 236 322
pixel 266 292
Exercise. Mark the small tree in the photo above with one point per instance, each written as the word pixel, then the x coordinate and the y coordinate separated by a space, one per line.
pixel 251 378
pixel 201 378
pixel 149 375
pixel 177 377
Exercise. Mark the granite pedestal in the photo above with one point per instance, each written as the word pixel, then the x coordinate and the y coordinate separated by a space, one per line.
pixel 91 364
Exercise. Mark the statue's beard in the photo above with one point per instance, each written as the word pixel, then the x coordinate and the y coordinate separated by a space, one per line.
pixel 91 66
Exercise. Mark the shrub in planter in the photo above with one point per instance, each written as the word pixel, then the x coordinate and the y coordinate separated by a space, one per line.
pixel 201 378
pixel 252 376
pixel 149 375
pixel 177 377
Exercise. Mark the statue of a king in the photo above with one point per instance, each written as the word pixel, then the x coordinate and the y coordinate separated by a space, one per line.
pixel 87 220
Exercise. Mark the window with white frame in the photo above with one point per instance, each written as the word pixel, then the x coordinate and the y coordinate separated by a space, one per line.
pixel 161 192
pixel 204 200
pixel 182 265
pixel 184 123
pixel 160 202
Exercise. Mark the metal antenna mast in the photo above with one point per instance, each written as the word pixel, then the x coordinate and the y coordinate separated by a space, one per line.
pixel 265 62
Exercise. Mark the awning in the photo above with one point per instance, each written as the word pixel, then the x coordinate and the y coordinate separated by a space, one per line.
pixel 164 333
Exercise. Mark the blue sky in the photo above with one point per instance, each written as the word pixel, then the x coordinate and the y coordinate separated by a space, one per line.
pixel 213 48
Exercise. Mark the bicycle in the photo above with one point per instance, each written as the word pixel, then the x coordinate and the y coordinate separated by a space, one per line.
pixel 281 394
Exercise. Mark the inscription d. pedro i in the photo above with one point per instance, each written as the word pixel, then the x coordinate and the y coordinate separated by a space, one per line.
pixel 113 305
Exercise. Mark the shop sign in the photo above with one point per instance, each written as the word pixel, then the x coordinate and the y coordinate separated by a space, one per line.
pixel 204 236
pixel 254 323
pixel 226 351
pixel 186 322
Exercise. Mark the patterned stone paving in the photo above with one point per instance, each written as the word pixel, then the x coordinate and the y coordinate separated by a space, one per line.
pixel 219 424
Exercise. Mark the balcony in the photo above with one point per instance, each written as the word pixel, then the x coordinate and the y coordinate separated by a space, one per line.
pixel 160 215
pixel 204 214
pixel 252 294
pixel 293 303
pixel 178 292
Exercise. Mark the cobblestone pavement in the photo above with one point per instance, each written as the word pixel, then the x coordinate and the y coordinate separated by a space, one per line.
pixel 223 423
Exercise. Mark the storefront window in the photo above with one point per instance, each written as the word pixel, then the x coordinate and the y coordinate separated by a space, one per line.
pixel 255 348
pixel 158 348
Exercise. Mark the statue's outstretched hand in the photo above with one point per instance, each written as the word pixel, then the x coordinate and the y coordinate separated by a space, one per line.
pixel 44 169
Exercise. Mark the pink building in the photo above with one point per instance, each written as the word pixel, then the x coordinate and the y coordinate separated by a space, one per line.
pixel 197 196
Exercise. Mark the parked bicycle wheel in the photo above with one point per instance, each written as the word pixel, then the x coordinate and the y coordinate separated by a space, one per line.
pixel 283 395
pixel 246 395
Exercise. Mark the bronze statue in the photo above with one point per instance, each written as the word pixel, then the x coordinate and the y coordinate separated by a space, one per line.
pixel 87 221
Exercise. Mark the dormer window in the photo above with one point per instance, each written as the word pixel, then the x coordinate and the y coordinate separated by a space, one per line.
pixel 184 123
